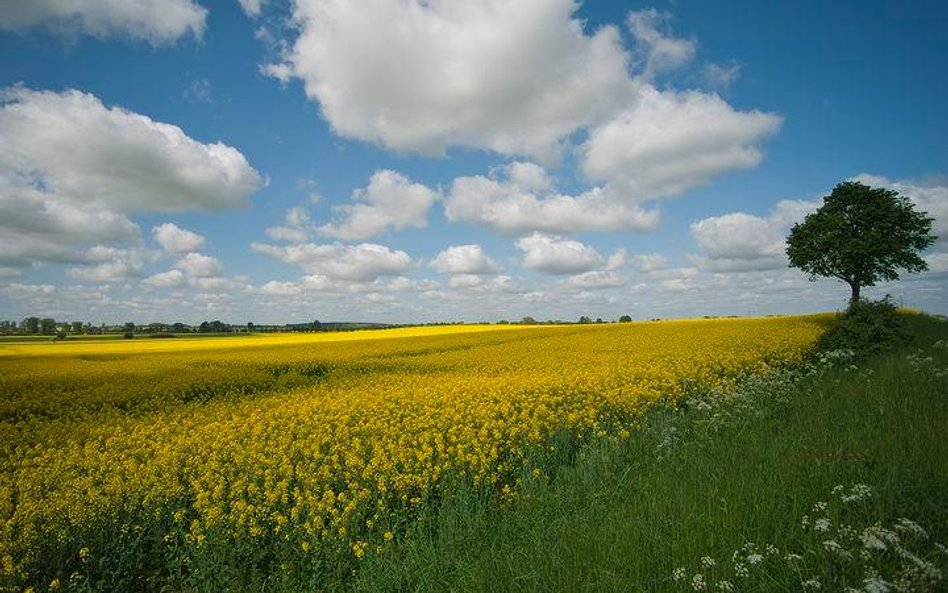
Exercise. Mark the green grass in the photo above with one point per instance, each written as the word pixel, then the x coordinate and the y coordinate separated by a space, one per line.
pixel 702 482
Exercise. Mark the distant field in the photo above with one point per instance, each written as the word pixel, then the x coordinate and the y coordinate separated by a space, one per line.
pixel 109 344
pixel 205 464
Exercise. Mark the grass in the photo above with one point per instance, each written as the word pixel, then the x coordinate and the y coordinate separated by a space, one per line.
pixel 702 482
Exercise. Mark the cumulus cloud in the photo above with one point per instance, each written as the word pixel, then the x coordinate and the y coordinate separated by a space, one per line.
pixel 648 263
pixel 363 262
pixel 391 201
pixel 658 50
pixel 72 168
pixel 669 142
pixel 433 80
pixel 176 240
pixel 155 21
pixel 464 259
pixel 36 226
pixel 109 264
pixel 169 279
pixel 79 149
pixel 594 280
pixel 741 242
pixel 198 265
pixel 252 8
pixel 555 255
pixel 519 199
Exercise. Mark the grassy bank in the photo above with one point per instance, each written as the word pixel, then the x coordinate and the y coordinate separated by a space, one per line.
pixel 688 492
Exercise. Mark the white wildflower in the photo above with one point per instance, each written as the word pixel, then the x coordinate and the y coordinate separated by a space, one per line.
pixel 812 584
pixel 708 562
pixel 875 585
pixel 678 574
pixel 725 586
pixel 698 583
pixel 754 559
pixel 822 525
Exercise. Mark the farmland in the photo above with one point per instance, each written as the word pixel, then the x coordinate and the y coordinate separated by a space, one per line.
pixel 208 463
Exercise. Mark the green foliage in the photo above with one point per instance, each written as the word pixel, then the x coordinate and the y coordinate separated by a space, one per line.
pixel 866 328
pixel 625 319
pixel 860 235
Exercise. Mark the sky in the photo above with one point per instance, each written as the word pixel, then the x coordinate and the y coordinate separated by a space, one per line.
pixel 417 161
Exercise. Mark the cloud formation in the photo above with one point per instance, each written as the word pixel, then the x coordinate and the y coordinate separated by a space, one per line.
pixel 669 142
pixel 363 262
pixel 155 21
pixel 519 199
pixel 464 259
pixel 176 240
pixel 71 169
pixel 433 81
pixel 555 255
pixel 738 242
pixel 391 201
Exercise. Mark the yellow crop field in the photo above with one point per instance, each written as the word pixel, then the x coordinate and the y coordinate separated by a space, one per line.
pixel 169 460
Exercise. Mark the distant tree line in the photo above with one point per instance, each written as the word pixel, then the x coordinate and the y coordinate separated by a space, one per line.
pixel 47 326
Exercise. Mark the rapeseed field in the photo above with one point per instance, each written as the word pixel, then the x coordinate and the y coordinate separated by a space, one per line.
pixel 205 464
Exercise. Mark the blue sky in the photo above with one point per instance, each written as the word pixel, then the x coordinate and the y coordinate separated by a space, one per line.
pixel 394 160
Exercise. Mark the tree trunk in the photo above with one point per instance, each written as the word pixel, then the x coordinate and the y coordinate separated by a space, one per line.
pixel 854 299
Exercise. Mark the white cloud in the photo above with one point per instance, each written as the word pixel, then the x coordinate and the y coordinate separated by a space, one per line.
pixel 70 170
pixel 433 80
pixel 617 260
pixel 464 259
pixel 276 288
pixel 648 263
pixel 720 76
pixel 658 51
pixel 391 201
pixel 154 21
pixel 176 240
pixel 555 255
pixel 296 227
pixel 81 150
pixel 465 281
pixel 741 242
pixel 518 199
pixel 169 279
pixel 669 142
pixel 39 227
pixel 594 280
pixel 363 262
pixel 198 265
pixel 109 264
pixel 252 8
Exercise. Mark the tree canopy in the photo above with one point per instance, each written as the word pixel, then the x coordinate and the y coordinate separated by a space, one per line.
pixel 861 235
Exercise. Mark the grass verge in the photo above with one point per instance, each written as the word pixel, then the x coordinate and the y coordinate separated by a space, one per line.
pixel 728 489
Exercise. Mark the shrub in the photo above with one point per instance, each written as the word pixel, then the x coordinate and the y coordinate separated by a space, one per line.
pixel 867 327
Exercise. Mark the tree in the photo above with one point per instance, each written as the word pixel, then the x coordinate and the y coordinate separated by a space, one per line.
pixel 31 325
pixel 860 235
pixel 584 319
pixel 625 319
pixel 47 326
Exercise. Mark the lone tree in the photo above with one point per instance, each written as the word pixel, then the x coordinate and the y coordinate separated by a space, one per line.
pixel 860 235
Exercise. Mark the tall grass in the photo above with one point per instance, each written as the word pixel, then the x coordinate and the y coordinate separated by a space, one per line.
pixel 704 481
